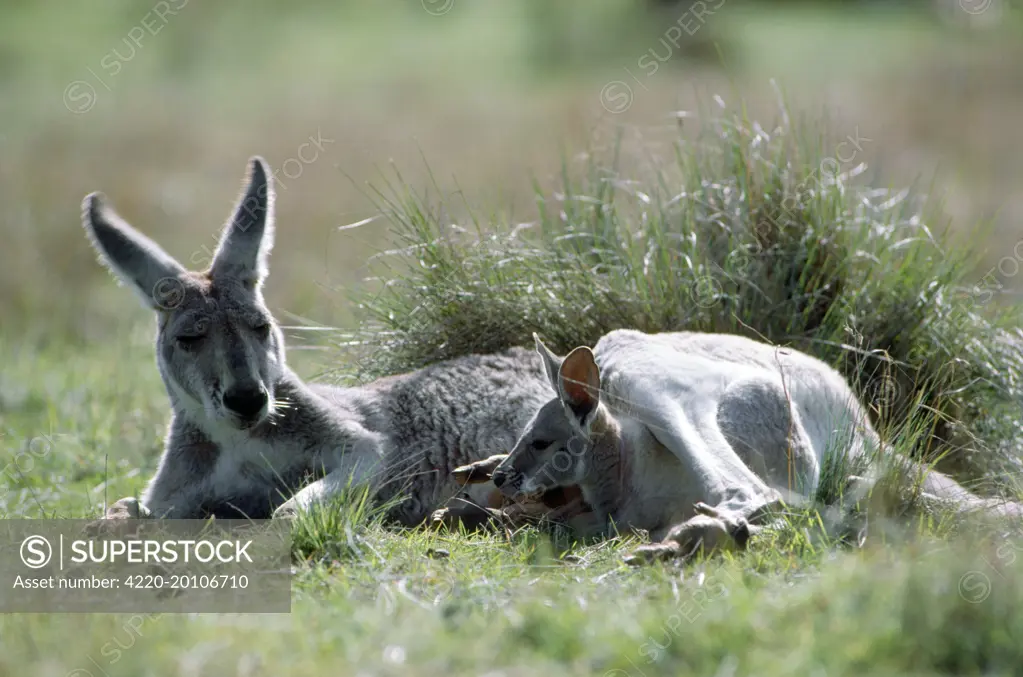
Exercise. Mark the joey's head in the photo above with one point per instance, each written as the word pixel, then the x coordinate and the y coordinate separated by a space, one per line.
pixel 555 448
pixel 219 350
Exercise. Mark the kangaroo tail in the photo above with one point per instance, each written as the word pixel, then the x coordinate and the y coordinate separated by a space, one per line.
pixel 939 492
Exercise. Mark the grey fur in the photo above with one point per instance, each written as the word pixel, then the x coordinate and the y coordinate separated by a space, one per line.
pixel 403 434
pixel 694 436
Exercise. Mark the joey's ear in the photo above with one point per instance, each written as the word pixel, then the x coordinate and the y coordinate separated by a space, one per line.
pixel 551 362
pixel 579 383
pixel 248 236
pixel 131 256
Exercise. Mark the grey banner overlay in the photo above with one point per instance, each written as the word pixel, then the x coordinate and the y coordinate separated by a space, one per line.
pixel 151 566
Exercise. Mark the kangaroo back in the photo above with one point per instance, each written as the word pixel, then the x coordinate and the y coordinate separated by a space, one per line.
pixel 450 414
pixel 829 410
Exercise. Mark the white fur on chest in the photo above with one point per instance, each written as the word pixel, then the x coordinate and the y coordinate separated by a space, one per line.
pixel 655 481
pixel 247 462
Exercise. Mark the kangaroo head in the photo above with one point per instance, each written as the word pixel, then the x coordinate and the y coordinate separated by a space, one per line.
pixel 555 447
pixel 218 348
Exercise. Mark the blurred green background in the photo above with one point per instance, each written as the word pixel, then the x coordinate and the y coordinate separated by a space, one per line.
pixel 159 104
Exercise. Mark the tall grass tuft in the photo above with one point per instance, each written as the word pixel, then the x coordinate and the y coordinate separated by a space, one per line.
pixel 753 230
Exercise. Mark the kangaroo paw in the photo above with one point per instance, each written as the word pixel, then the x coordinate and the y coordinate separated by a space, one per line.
pixel 654 552
pixel 118 517
pixel 710 533
pixel 127 508
pixel 468 515
pixel 704 509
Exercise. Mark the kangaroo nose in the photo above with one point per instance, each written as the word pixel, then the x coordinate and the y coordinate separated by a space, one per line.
pixel 246 402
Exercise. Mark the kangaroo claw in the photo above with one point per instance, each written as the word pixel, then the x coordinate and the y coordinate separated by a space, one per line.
pixel 478 472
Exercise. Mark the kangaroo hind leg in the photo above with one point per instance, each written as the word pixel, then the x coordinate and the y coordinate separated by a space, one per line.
pixel 764 429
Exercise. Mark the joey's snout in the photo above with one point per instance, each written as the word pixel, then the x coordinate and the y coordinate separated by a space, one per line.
pixel 512 484
pixel 507 481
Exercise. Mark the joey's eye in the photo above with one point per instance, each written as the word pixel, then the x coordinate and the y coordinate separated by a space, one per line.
pixel 262 330
pixel 537 445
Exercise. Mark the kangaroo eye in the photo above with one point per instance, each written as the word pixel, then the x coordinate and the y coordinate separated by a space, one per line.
pixel 262 330
pixel 188 340
pixel 537 445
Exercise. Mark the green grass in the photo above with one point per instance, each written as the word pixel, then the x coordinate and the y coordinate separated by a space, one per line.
pixel 384 606
pixel 73 427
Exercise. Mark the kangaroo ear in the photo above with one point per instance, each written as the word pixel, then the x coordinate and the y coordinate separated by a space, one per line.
pixel 248 236
pixel 131 256
pixel 579 383
pixel 551 362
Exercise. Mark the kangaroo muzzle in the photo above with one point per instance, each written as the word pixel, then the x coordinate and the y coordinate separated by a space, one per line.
pixel 248 404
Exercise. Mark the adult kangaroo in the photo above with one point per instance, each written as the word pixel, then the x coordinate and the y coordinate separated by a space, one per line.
pixel 246 433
